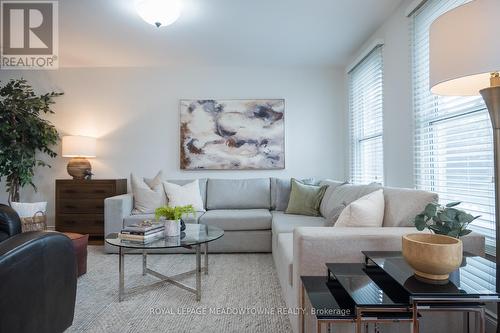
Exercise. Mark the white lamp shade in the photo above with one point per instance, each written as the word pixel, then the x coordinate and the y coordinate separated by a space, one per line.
pixel 78 146
pixel 465 48
pixel 159 12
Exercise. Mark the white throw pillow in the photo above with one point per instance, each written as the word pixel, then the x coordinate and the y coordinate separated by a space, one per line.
pixel 25 209
pixel 182 195
pixel 148 194
pixel 367 211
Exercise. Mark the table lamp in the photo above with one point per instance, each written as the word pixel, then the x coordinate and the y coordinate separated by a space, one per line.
pixel 464 61
pixel 79 148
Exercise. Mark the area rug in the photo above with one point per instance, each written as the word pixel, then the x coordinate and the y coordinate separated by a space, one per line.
pixel 240 294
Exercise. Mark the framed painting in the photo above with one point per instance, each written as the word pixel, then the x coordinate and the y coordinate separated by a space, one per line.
pixel 232 134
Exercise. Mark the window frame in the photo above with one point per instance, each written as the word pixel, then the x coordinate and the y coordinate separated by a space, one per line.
pixel 370 68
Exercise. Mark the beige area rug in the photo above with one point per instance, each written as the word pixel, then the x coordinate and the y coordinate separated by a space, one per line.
pixel 240 294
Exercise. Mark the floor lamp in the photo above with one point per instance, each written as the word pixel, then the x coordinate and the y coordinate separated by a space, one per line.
pixel 465 61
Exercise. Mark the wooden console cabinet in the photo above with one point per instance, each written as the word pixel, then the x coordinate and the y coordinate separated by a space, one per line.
pixel 80 204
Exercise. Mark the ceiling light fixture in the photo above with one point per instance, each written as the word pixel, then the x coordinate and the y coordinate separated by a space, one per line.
pixel 159 12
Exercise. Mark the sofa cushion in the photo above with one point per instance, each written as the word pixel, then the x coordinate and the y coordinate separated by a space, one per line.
pixel 285 249
pixel 341 196
pixel 132 219
pixel 239 193
pixel 183 195
pixel 402 205
pixel 305 199
pixel 148 194
pixel 327 210
pixel 280 191
pixel 238 219
pixel 287 222
pixel 201 181
pixel 367 211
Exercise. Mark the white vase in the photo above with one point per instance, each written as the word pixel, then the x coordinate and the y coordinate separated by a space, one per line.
pixel 172 228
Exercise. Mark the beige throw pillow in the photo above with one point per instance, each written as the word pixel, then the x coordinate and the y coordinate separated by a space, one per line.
pixel 182 195
pixel 367 211
pixel 148 194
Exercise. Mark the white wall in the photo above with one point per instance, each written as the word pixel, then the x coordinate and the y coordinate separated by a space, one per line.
pixel 134 114
pixel 398 114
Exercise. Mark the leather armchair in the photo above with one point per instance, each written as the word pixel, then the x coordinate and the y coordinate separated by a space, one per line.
pixel 10 224
pixel 38 278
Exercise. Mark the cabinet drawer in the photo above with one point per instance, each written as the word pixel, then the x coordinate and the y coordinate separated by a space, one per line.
pixel 82 224
pixel 89 191
pixel 86 206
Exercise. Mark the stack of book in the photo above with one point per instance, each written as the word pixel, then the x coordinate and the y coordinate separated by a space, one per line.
pixel 143 232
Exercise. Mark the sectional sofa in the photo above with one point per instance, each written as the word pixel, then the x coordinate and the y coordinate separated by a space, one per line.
pixel 251 212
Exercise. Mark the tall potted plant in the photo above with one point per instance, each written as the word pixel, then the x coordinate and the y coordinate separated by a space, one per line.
pixel 24 134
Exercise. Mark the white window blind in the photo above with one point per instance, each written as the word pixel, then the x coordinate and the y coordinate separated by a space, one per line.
pixel 366 115
pixel 454 144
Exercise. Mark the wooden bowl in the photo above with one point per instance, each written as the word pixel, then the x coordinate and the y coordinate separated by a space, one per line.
pixel 432 256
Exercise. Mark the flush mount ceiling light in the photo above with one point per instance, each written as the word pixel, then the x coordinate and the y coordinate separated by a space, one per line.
pixel 159 12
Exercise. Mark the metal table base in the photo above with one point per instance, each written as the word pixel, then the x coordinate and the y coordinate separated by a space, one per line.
pixel 173 279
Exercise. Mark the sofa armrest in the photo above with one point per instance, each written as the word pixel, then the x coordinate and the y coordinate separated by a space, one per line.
pixel 10 224
pixel 115 210
pixel 313 247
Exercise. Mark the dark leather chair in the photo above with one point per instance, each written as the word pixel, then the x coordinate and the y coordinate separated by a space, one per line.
pixel 37 278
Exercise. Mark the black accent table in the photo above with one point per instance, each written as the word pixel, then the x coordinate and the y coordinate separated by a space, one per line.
pixel 385 290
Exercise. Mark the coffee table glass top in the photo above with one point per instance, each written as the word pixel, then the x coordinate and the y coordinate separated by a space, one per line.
pixel 475 278
pixel 368 286
pixel 194 234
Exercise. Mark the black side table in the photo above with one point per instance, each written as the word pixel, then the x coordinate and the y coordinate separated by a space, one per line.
pixel 377 299
pixel 320 308
pixel 467 290
pixel 385 290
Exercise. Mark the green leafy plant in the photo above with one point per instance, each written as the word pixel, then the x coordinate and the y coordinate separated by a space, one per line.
pixel 174 213
pixel 445 220
pixel 23 134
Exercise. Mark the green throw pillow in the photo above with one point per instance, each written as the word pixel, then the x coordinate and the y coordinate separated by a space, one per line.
pixel 305 199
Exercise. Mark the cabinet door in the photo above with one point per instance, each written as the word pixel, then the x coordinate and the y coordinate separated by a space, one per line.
pixel 83 206
pixel 85 191
pixel 92 224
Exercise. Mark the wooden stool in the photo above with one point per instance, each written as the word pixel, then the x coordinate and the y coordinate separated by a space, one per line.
pixel 80 243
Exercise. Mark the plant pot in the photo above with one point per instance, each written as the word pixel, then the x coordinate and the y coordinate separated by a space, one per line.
pixel 432 256
pixel 172 228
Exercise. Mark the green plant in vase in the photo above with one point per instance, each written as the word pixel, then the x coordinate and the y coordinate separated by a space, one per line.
pixel 445 220
pixel 173 213
pixel 173 216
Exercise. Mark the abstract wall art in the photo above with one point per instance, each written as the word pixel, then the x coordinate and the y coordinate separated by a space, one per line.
pixel 232 134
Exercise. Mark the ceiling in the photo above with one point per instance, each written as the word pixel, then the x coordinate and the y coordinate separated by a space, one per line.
pixel 95 33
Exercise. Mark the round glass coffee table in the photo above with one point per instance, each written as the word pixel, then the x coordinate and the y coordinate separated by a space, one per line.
pixel 193 237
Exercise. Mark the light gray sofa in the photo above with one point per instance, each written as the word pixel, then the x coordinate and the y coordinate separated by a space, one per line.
pixel 251 212
pixel 240 207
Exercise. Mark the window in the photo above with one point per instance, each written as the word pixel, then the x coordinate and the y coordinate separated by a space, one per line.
pixel 365 110
pixel 453 139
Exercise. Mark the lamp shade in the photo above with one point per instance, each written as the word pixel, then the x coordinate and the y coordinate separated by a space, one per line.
pixel 78 146
pixel 464 48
